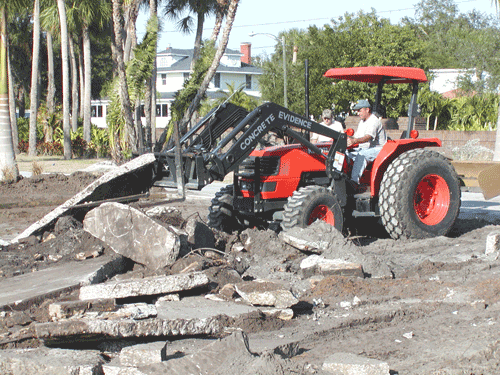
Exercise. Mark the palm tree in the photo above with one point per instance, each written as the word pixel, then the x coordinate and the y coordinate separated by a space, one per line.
pixel 122 76
pixel 230 15
pixel 220 11
pixel 8 166
pixel 150 93
pixel 201 8
pixel 96 14
pixel 35 73
pixel 65 77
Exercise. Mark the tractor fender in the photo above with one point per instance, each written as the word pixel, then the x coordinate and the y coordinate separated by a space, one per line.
pixel 391 150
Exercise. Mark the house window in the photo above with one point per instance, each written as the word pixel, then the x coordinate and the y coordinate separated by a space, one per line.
pixel 161 110
pixel 186 76
pixel 217 81
pixel 96 111
pixel 248 85
pixel 163 62
pixel 164 79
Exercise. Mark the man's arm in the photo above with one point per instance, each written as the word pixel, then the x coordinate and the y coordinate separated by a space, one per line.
pixel 352 141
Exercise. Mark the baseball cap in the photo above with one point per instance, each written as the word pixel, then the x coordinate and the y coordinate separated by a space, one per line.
pixel 327 113
pixel 363 103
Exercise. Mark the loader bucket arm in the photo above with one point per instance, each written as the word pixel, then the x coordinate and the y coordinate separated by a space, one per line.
pixel 205 161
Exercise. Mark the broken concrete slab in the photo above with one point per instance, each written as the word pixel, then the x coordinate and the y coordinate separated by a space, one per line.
pixel 133 234
pixel 190 316
pixel 209 360
pixel 143 354
pixel 45 361
pixel 351 364
pixel 67 309
pixel 21 291
pixel 317 264
pixel 144 287
pixel 133 177
pixel 266 293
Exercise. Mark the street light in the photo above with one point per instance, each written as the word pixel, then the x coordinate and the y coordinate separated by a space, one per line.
pixel 284 61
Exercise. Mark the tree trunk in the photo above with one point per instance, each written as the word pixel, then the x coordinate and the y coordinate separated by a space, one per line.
pixel 65 78
pixel 219 17
pixel 81 76
pixel 496 154
pixel 51 85
pixel 231 13
pixel 12 104
pixel 131 15
pixel 130 135
pixel 8 165
pixel 87 84
pixel 198 39
pixel 34 78
pixel 150 95
pixel 74 85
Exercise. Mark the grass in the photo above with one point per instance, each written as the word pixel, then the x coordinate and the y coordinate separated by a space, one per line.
pixel 53 164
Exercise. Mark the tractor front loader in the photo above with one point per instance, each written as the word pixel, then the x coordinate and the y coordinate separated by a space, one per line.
pixel 414 190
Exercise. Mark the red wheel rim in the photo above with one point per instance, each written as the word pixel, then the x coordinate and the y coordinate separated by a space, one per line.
pixel 322 212
pixel 432 199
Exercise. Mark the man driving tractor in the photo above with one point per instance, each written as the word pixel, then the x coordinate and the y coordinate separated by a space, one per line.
pixel 370 137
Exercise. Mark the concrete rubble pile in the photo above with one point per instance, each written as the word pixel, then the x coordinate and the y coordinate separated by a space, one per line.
pixel 167 283
pixel 170 298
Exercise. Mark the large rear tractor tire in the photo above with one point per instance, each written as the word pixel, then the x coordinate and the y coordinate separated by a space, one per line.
pixel 419 195
pixel 312 203
pixel 221 213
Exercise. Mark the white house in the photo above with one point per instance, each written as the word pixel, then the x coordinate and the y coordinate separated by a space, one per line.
pixel 174 67
pixel 446 81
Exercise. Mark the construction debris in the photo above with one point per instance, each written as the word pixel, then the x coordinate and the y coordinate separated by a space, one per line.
pixel 308 302
pixel 134 235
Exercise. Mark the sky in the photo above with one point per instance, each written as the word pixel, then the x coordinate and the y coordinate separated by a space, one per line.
pixel 274 16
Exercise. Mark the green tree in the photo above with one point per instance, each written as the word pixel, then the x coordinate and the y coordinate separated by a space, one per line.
pixel 233 95
pixel 361 39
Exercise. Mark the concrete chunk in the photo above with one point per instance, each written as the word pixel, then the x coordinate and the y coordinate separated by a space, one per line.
pixel 492 242
pixel 199 234
pixel 142 287
pixel 316 264
pixel 66 309
pixel 133 234
pixel 45 361
pixel 350 364
pixel 266 293
pixel 143 354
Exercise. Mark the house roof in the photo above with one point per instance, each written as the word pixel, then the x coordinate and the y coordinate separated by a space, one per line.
pixel 210 94
pixel 184 64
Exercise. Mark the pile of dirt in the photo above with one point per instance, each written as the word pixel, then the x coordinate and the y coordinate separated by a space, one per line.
pixel 26 201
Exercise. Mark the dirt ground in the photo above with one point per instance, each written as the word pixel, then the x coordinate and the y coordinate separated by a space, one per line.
pixel 425 306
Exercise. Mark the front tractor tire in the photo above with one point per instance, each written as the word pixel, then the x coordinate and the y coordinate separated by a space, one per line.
pixel 221 213
pixel 419 195
pixel 312 203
